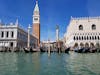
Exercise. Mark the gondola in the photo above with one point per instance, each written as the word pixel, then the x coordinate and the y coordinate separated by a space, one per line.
pixel 93 50
pixel 86 50
pixel 67 50
pixel 42 50
pixel 26 50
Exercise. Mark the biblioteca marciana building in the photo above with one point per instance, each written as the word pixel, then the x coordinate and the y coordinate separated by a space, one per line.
pixel 13 36
pixel 82 32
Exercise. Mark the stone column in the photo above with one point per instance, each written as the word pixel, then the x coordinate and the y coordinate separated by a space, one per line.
pixel 28 41
pixel 57 37
pixel 57 33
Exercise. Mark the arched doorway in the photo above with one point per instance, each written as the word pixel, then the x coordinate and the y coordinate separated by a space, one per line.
pixel 86 45
pixel 97 45
pixel 11 44
pixel 75 45
pixel 81 45
pixel 91 45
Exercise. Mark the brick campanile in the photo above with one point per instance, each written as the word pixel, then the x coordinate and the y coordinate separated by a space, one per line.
pixel 36 22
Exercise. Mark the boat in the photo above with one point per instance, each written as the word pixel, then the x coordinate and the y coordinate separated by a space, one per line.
pixel 26 50
pixel 67 50
pixel 93 50
pixel 85 50
pixel 75 49
pixel 42 49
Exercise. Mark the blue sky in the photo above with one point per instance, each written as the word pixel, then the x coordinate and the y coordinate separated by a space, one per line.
pixel 52 12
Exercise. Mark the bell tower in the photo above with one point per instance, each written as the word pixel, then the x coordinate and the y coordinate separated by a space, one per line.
pixel 36 22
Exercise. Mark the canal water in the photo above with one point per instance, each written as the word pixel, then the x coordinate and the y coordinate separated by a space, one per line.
pixel 55 64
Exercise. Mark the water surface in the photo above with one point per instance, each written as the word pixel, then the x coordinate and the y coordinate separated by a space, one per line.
pixel 55 64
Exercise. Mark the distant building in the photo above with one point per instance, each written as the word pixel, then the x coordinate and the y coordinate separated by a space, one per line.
pixel 48 44
pixel 53 45
pixel 36 22
pixel 14 36
pixel 84 31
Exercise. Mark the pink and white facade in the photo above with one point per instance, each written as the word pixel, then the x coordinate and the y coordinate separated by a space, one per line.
pixel 83 31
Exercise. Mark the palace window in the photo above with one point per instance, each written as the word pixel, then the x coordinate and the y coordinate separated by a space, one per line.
pixel 95 37
pixel 79 38
pixel 87 38
pixel 74 38
pixel 82 37
pixel 80 27
pixel 7 34
pixel 93 27
pixel 98 38
pixel 2 34
pixel 11 44
pixel 12 34
pixel 92 38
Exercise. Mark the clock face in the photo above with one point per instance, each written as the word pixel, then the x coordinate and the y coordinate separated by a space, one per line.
pixel 35 19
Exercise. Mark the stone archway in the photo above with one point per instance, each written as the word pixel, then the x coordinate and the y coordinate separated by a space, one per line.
pixel 75 45
pixel 86 45
pixel 97 45
pixel 91 45
pixel 81 45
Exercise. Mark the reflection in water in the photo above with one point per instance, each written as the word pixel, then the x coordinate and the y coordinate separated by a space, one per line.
pixel 86 64
pixel 56 64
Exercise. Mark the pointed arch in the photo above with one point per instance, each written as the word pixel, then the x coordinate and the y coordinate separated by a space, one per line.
pixel 84 37
pixel 74 38
pixel 95 37
pixel 86 44
pixel 91 44
pixel 79 38
pixel 81 45
pixel 76 45
pixel 87 38
pixel 98 38
pixel 90 37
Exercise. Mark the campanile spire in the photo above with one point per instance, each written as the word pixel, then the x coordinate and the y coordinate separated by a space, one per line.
pixel 36 7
